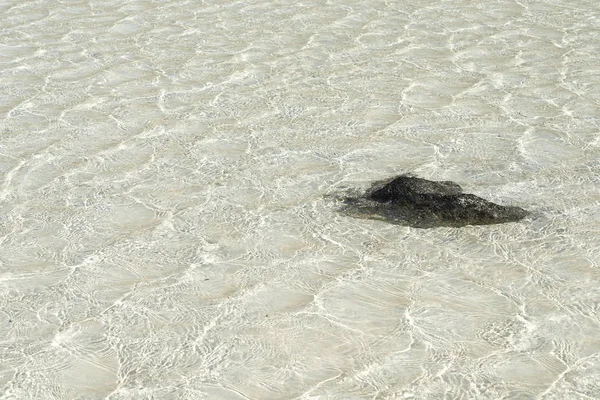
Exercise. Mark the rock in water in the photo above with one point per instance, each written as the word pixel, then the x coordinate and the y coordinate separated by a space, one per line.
pixel 412 201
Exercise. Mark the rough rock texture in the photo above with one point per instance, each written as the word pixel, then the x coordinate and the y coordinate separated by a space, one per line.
pixel 412 201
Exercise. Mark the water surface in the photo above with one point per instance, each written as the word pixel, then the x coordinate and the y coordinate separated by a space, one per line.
pixel 168 222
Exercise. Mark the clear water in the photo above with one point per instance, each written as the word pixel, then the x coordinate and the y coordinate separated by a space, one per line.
pixel 168 223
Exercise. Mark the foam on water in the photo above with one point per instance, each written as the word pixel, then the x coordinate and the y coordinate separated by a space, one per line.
pixel 168 222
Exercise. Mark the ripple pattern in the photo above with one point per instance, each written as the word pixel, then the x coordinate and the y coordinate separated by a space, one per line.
pixel 168 228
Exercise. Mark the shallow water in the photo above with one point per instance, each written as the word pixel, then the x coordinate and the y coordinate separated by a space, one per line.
pixel 168 219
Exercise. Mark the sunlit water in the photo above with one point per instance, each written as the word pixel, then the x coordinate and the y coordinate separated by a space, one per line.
pixel 168 219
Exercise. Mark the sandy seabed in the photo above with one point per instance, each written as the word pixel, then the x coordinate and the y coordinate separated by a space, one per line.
pixel 168 219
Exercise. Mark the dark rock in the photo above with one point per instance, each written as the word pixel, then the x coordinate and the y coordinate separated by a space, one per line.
pixel 412 201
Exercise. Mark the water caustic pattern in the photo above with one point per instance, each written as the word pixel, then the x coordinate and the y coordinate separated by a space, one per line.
pixel 168 222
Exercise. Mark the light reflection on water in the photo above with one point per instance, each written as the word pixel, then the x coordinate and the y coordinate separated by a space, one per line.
pixel 168 221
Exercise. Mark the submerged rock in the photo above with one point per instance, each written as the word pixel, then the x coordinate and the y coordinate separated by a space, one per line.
pixel 416 202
